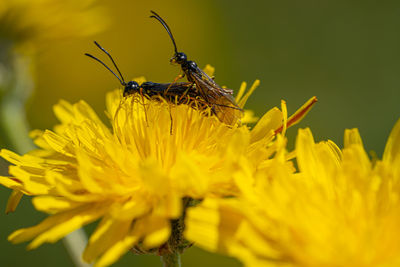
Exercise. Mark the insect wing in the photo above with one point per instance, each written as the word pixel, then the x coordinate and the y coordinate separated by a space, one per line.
pixel 210 90
pixel 204 76
pixel 223 104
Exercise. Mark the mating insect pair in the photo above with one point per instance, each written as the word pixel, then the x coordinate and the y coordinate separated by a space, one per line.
pixel 200 88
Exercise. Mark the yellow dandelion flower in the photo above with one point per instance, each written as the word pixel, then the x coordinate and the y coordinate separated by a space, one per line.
pixel 43 20
pixel 137 177
pixel 340 209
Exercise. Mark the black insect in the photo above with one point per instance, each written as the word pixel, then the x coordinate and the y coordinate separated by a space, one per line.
pixel 174 93
pixel 220 99
pixel 177 93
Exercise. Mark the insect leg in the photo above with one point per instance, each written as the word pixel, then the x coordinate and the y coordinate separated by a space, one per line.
pixel 144 106
pixel 186 91
pixel 180 76
pixel 172 121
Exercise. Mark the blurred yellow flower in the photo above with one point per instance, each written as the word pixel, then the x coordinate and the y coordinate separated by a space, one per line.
pixel 135 177
pixel 340 209
pixel 26 26
pixel 40 21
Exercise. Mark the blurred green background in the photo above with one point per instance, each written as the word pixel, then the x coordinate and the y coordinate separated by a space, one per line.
pixel 347 53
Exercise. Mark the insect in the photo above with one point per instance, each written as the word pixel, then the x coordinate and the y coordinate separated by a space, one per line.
pixel 220 99
pixel 177 93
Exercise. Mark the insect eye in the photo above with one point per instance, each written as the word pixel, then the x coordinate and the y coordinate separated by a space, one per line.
pixel 133 85
pixel 181 57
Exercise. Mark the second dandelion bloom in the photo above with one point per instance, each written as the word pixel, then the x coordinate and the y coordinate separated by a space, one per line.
pixel 137 176
pixel 339 209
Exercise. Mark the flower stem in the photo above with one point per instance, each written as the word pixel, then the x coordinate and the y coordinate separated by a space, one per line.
pixel 75 243
pixel 171 260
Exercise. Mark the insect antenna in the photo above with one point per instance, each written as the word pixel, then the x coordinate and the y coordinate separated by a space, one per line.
pixel 102 63
pixel 157 17
pixel 112 60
